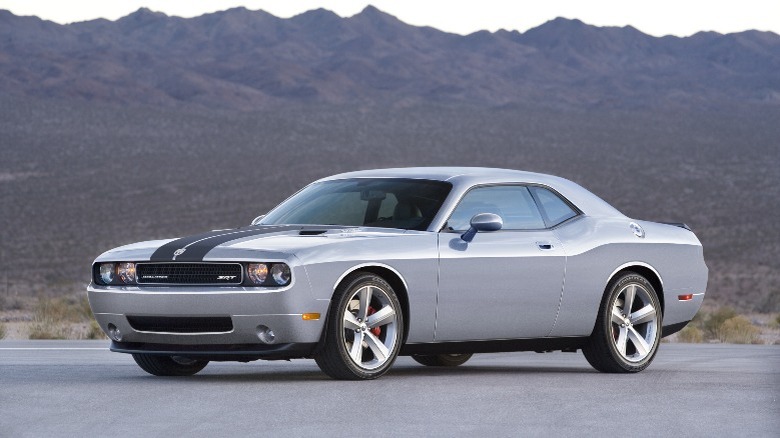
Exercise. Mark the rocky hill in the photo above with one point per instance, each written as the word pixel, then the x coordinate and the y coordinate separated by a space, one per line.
pixel 241 59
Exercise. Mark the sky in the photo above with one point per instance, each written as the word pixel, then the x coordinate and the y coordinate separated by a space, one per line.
pixel 655 17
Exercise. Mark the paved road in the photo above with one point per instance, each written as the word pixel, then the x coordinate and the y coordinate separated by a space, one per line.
pixel 78 388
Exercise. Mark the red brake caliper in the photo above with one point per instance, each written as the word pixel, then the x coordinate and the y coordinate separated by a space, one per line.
pixel 376 330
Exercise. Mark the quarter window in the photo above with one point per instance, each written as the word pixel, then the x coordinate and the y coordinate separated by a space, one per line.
pixel 554 208
pixel 514 204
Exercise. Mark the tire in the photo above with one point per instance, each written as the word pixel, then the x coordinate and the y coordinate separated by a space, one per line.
pixel 442 360
pixel 620 343
pixel 360 296
pixel 169 365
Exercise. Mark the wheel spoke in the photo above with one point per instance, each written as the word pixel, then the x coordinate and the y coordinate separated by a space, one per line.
pixel 643 315
pixel 621 341
pixel 364 296
pixel 628 300
pixel 377 347
pixel 617 317
pixel 356 352
pixel 350 322
pixel 384 316
pixel 639 342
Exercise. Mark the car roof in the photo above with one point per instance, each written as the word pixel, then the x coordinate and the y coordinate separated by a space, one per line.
pixel 442 173
pixel 463 178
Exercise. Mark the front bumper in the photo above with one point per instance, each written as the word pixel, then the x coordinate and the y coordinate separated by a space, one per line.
pixel 236 352
pixel 248 308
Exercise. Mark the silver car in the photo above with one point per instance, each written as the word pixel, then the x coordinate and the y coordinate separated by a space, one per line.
pixel 435 263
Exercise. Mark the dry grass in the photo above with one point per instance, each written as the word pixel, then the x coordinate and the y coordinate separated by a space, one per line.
pixel 691 335
pixel 49 329
pixel 711 323
pixel 724 324
pixel 94 331
pixel 2 331
pixel 738 330
pixel 53 317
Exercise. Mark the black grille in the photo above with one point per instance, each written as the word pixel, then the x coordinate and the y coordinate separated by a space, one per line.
pixel 189 273
pixel 181 324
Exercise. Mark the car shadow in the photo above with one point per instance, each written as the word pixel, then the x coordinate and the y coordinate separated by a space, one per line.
pixel 263 375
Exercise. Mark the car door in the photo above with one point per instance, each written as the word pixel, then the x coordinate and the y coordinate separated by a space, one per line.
pixel 504 284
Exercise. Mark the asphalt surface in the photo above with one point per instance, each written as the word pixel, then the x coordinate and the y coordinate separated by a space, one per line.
pixel 79 388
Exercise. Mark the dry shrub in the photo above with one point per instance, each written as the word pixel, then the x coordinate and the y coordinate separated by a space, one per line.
pixel 52 317
pixel 94 331
pixel 63 309
pixel 738 330
pixel 712 324
pixel 691 335
pixel 49 329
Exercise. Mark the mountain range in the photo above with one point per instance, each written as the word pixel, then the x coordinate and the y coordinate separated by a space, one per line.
pixel 242 59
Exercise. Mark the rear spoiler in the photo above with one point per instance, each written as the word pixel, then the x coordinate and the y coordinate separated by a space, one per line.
pixel 677 224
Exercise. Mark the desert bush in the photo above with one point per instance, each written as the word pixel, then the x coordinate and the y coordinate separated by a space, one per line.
pixel 3 331
pixel 94 331
pixel 691 335
pixel 738 330
pixel 63 309
pixel 84 311
pixel 713 322
pixel 52 317
pixel 14 303
pixel 49 329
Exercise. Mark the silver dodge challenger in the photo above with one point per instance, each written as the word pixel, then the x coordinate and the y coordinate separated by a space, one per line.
pixel 434 263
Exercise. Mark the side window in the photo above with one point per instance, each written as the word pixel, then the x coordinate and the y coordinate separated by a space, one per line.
pixel 513 203
pixel 555 208
pixel 387 207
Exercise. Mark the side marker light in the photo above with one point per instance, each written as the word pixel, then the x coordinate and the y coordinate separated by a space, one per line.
pixel 310 316
pixel 687 297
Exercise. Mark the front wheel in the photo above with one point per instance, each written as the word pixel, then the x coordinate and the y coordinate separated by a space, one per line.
pixel 364 330
pixel 169 365
pixel 628 329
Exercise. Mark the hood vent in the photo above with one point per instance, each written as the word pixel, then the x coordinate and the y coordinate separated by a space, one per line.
pixel 312 232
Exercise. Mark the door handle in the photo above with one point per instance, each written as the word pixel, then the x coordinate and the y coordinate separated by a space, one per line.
pixel 544 245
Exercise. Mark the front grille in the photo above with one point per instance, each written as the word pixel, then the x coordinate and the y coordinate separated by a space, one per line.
pixel 181 324
pixel 189 273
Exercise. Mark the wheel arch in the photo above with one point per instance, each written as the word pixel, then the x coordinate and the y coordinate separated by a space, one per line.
pixel 394 278
pixel 645 270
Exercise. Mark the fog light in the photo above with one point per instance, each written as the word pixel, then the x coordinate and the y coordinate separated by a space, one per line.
pixel 265 334
pixel 114 333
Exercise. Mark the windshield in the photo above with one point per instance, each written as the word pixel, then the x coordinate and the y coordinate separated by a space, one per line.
pixel 408 204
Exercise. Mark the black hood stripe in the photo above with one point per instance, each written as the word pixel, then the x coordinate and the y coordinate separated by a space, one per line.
pixel 196 247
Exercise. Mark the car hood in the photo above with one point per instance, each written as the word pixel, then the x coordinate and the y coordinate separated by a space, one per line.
pixel 248 243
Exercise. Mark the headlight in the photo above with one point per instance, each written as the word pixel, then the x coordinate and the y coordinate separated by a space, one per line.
pixel 257 272
pixel 107 273
pixel 126 272
pixel 280 273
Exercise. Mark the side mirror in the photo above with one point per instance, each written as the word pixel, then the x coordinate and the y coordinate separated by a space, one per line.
pixel 258 219
pixel 482 222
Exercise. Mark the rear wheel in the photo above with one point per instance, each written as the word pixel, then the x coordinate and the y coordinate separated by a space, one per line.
pixel 628 329
pixel 169 365
pixel 364 330
pixel 442 360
